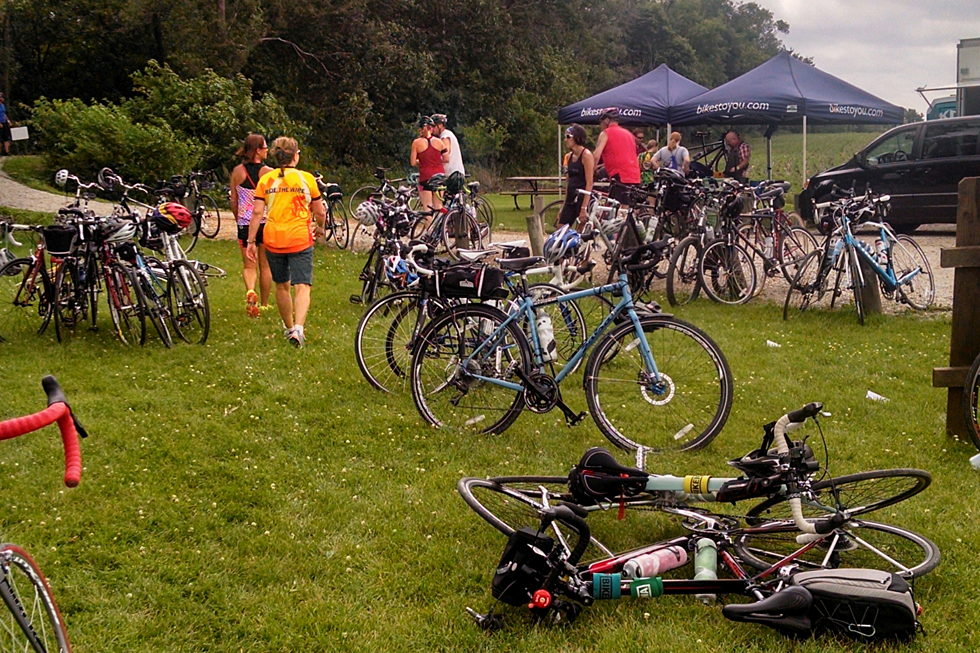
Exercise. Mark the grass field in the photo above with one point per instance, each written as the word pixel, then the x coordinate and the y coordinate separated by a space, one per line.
pixel 248 496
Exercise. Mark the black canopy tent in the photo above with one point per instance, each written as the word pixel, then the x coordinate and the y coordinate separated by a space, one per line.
pixel 785 91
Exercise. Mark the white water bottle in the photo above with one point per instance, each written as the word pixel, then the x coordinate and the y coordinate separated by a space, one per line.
pixel 546 336
pixel 880 252
pixel 769 247
pixel 653 564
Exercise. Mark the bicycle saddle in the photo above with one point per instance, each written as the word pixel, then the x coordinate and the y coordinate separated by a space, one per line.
pixel 600 477
pixel 784 611
pixel 519 264
pixel 473 255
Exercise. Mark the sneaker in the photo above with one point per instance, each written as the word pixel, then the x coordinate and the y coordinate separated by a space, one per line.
pixel 251 304
pixel 299 336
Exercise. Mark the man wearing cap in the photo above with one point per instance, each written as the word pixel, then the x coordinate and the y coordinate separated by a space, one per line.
pixel 616 148
pixel 455 163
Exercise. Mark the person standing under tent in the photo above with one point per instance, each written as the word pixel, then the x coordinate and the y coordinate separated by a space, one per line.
pixel 616 149
pixel 581 165
pixel 455 162
pixel 673 156
pixel 737 155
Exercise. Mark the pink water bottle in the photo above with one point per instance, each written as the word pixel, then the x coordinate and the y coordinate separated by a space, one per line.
pixel 657 562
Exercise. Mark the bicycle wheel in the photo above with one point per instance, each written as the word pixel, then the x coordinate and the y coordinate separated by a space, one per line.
pixel 685 410
pixel 460 229
pixel 804 290
pixel 445 363
pixel 726 272
pixel 858 544
pixel 567 322
pixel 484 213
pixel 371 275
pixel 920 291
pixel 33 621
pixel 125 307
pixel 858 494
pixel 549 215
pixel 854 268
pixel 187 301
pixel 683 284
pixel 24 297
pixel 794 245
pixel 362 194
pixel 93 288
pixel 70 301
pixel 385 337
pixel 337 214
pixel 188 235
pixel 754 238
pixel 209 215
pixel 155 306
pixel 508 509
pixel 971 402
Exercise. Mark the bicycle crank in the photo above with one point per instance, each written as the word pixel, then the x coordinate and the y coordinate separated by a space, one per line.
pixel 541 394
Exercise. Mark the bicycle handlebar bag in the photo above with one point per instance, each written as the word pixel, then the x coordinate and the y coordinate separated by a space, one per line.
pixel 864 604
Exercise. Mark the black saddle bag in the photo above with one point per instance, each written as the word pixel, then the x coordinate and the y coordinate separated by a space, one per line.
pixel 467 282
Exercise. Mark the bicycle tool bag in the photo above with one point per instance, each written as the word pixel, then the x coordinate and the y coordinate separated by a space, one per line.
pixel 864 604
pixel 599 477
pixel 523 567
pixel 467 282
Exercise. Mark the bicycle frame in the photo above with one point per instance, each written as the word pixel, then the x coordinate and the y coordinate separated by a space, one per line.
pixel 886 273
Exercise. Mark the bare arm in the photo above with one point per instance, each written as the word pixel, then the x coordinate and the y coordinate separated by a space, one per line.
pixel 414 158
pixel 588 161
pixel 600 145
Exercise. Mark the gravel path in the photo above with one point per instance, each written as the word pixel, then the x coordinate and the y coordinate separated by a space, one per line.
pixel 931 238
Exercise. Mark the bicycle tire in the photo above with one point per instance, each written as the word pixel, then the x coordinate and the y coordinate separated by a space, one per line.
pixel 858 494
pixel 549 216
pixel 370 273
pixel 567 322
pixel 858 544
pixel 155 307
pixel 340 225
pixel 755 238
pixel 93 287
pixel 683 283
pixel 461 402
pixel 507 509
pixel 726 273
pixel 484 212
pixel 187 301
pixel 971 395
pixel 804 289
pixel 70 302
pixel 22 297
pixel 795 243
pixel 27 591
pixel 209 215
pixel 385 337
pixel 920 291
pixel 451 232
pixel 697 401
pixel 187 238
pixel 854 267
pixel 127 311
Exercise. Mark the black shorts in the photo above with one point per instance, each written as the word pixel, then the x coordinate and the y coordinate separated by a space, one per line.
pixel 4 132
pixel 621 192
pixel 572 207
pixel 243 235
pixel 428 185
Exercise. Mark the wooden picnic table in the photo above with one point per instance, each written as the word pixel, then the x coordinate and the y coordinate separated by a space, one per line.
pixel 535 186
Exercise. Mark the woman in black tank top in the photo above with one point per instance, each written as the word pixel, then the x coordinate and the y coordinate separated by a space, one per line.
pixel 243 180
pixel 581 166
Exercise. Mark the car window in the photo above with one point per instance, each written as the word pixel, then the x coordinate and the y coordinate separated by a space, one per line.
pixel 943 141
pixel 895 148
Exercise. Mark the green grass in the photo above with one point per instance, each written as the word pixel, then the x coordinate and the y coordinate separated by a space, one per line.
pixel 30 170
pixel 24 216
pixel 248 496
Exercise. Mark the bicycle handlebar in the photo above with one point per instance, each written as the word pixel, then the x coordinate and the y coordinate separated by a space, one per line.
pixel 789 422
pixel 57 411
pixel 565 514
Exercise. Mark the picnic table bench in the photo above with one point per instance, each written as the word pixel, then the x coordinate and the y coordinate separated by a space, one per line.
pixel 535 186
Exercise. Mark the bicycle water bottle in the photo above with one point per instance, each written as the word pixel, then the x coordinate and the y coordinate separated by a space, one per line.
pixel 769 247
pixel 706 566
pixel 975 461
pixel 709 232
pixel 655 563
pixel 546 336
pixel 652 231
pixel 881 254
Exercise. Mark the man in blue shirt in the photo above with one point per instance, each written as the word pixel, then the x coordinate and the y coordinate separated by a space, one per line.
pixel 4 126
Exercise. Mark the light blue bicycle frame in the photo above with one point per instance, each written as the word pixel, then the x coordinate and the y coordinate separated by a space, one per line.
pixel 887 273
pixel 526 309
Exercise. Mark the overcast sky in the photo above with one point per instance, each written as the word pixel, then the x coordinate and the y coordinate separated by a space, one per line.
pixel 886 47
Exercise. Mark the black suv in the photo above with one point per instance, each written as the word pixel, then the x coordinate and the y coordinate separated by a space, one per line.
pixel 918 165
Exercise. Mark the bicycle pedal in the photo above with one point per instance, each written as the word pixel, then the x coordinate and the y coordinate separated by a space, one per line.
pixel 575 420
pixel 355 299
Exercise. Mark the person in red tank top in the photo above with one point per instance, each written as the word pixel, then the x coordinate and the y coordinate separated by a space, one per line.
pixel 429 154
pixel 617 149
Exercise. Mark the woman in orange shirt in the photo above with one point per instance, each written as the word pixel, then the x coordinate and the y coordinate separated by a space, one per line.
pixel 292 200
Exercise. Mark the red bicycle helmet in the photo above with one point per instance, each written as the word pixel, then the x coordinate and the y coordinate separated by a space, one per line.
pixel 171 217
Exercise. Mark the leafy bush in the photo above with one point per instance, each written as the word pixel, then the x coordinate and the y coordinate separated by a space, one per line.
pixel 84 138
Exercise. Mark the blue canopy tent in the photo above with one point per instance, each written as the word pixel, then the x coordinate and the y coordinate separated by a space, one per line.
pixel 646 100
pixel 785 90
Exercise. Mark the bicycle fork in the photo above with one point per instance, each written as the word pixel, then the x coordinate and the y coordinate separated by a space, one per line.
pixel 17 610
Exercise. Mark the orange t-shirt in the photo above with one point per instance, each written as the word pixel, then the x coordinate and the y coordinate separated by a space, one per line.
pixel 287 198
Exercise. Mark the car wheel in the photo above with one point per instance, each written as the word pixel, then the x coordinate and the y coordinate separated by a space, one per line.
pixel 904 228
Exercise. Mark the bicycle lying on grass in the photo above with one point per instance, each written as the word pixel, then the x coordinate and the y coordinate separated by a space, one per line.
pixel 34 622
pixel 804 531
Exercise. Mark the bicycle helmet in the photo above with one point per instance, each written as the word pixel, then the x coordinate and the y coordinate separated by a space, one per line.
pixel 438 179
pixel 61 177
pixel 367 213
pixel 455 183
pixel 119 231
pixel 425 121
pixel 732 207
pixel 333 192
pixel 398 272
pixel 561 244
pixel 171 217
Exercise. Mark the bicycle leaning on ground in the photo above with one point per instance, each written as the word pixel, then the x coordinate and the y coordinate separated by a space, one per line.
pixel 814 527
pixel 35 623
pixel 475 368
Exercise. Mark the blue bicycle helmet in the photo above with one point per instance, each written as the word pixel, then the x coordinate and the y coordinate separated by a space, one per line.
pixel 561 244
pixel 398 272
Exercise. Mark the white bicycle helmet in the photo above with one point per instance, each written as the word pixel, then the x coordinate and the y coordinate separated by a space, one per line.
pixel 561 244
pixel 61 177
pixel 119 231
pixel 367 213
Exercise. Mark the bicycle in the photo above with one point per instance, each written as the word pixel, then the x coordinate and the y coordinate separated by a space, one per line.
pixel 336 225
pixel 474 368
pixel 971 402
pixel 35 622
pixel 26 287
pixel 898 262
pixel 189 191
pixel 821 530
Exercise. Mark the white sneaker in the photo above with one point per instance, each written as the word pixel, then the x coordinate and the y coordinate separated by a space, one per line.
pixel 299 336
